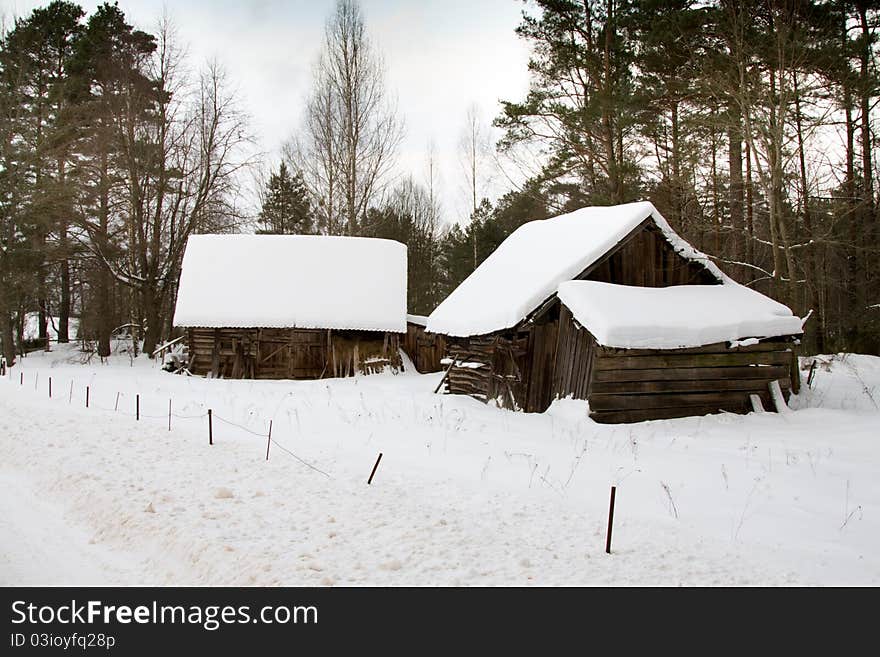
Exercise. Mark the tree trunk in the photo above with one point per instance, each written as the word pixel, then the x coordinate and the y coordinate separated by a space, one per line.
pixel 64 308
pixel 153 330
pixel 852 282
pixel 867 219
pixel 104 281
pixel 6 330
pixel 734 160
pixel 811 266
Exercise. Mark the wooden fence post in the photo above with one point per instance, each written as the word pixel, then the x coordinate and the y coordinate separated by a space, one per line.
pixel 269 442
pixel 169 415
pixel 210 428
pixel 370 480
pixel 50 387
pixel 87 396
pixel 610 520
pixel 137 407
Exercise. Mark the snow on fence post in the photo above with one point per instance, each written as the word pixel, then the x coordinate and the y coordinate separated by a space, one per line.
pixel 610 520
pixel 370 480
pixel 210 428
pixel 269 442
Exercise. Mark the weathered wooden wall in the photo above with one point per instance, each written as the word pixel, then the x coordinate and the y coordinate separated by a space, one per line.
pixel 424 349
pixel 541 360
pixel 255 353
pixel 630 385
pixel 576 351
pixel 646 259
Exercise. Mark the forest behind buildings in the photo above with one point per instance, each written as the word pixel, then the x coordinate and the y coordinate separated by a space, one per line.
pixel 750 125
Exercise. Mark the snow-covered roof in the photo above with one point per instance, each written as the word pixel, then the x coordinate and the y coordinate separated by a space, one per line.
pixel 418 320
pixel 677 316
pixel 287 281
pixel 529 265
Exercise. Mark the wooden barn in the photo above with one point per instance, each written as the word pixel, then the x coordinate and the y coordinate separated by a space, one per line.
pixel 291 306
pixel 426 350
pixel 610 305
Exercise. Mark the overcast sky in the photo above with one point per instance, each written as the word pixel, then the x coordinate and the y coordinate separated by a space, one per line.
pixel 441 56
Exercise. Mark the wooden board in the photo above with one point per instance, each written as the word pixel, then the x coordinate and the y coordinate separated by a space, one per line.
pixel 731 400
pixel 660 360
pixel 690 373
pixel 677 385
pixel 657 414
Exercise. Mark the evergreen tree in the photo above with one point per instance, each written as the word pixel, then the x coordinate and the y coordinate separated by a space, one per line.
pixel 35 203
pixel 581 102
pixel 110 93
pixel 408 216
pixel 286 207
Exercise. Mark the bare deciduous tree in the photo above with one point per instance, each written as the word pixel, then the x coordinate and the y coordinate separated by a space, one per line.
pixel 351 131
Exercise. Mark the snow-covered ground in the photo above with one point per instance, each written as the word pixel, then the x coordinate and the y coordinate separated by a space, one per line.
pixel 32 327
pixel 465 493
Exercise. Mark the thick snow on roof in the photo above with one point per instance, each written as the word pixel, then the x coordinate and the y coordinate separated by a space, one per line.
pixel 286 281
pixel 677 316
pixel 529 265
pixel 419 320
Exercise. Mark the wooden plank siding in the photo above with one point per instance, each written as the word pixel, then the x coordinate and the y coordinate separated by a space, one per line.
pixel 270 353
pixel 645 258
pixel 575 355
pixel 631 385
pixel 424 349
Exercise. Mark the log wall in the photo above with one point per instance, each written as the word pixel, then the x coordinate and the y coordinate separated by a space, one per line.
pixel 263 353
pixel 630 385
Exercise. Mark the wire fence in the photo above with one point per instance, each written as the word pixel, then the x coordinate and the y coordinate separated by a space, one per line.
pixel 87 398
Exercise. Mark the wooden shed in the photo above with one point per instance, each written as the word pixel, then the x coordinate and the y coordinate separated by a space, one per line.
pixel 292 306
pixel 425 349
pixel 608 304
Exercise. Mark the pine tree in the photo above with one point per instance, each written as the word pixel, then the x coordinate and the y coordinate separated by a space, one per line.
pixel 286 207
pixel 109 92
pixel 581 103
pixel 36 203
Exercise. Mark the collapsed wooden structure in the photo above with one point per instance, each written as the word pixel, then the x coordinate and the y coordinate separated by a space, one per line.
pixel 292 306
pixel 522 351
